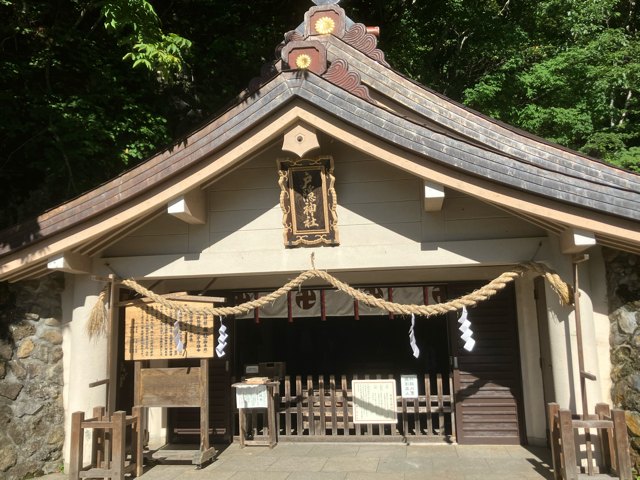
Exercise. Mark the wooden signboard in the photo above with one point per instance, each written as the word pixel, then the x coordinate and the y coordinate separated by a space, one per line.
pixel 149 333
pixel 308 201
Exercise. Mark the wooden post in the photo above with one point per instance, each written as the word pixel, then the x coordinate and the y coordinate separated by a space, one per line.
pixel 299 396
pixel 271 415
pixel 427 395
pixel 119 453
pixel 97 440
pixel 77 445
pixel 440 405
pixel 452 404
pixel 112 347
pixel 334 412
pixel 606 436
pixel 356 426
pixel 287 405
pixel 621 445
pixel 323 417
pixel 583 385
pixel 345 406
pixel 241 426
pixel 554 439
pixel 311 399
pixel 405 420
pixel 204 404
pixel 137 441
pixel 568 445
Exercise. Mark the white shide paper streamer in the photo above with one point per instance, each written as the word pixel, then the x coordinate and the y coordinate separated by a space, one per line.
pixel 222 340
pixel 176 334
pixel 412 337
pixel 466 331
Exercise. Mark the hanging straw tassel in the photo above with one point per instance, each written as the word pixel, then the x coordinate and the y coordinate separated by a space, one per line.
pixel 97 322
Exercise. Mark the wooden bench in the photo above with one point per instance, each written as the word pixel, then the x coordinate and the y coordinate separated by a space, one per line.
pixel 108 453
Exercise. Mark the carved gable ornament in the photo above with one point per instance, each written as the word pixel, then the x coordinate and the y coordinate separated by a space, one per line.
pixel 308 201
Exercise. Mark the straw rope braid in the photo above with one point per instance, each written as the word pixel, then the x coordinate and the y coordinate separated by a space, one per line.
pixel 97 323
pixel 564 291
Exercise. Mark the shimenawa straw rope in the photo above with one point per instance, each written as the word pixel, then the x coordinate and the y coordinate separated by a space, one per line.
pixel 564 291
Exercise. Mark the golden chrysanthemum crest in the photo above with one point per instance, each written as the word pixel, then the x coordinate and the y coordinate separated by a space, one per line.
pixel 303 61
pixel 325 25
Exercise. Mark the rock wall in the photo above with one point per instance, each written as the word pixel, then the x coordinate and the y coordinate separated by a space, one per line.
pixel 31 409
pixel 623 292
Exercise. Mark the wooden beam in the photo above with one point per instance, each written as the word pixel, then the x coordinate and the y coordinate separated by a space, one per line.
pixel 173 297
pixel 70 263
pixel 576 240
pixel 190 207
pixel 433 196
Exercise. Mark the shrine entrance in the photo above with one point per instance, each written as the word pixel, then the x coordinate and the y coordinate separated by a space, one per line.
pixel 316 343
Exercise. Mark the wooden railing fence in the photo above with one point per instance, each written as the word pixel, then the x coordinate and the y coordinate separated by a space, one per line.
pixel 429 418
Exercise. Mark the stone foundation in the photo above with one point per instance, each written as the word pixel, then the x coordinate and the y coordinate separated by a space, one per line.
pixel 623 293
pixel 31 410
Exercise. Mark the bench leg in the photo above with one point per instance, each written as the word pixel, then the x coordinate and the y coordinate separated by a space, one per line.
pixel 118 452
pixel 77 445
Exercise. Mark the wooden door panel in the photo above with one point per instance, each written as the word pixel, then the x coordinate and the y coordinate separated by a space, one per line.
pixel 488 382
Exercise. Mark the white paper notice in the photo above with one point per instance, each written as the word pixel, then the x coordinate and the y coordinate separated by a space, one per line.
pixel 251 396
pixel 409 386
pixel 374 401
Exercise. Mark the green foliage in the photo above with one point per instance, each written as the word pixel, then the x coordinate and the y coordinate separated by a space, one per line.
pixel 567 70
pixel 136 24
pixel 74 113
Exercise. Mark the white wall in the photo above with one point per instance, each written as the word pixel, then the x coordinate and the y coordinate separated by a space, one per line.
pixel 84 359
pixel 532 387
pixel 377 205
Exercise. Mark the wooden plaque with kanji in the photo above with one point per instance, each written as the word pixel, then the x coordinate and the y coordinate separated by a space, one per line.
pixel 149 333
pixel 308 201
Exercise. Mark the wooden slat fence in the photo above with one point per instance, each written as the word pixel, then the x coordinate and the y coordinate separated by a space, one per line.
pixel 430 418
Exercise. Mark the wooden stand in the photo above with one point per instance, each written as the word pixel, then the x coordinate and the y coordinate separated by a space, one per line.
pixel 272 391
pixel 612 430
pixel 105 464
pixel 178 388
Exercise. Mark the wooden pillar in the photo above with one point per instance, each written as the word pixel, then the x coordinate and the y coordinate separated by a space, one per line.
pixel 119 437
pixel 97 439
pixel 554 440
pixel 621 445
pixel 137 440
pixel 112 348
pixel 606 436
pixel 204 404
pixel 583 385
pixel 77 445
pixel 568 445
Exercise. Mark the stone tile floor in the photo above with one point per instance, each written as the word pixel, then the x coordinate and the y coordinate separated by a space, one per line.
pixel 308 461
pixel 313 461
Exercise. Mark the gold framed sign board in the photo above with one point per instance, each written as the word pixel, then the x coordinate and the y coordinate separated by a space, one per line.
pixel 149 333
pixel 308 201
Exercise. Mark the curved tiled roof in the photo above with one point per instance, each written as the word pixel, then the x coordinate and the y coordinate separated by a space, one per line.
pixel 439 130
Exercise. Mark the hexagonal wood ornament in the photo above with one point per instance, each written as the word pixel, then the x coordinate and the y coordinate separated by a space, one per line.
pixel 300 139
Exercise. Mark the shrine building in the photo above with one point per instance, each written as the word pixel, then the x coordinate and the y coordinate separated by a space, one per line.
pixel 395 190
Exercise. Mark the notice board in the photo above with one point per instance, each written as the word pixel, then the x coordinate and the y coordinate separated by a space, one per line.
pixel 374 401
pixel 149 333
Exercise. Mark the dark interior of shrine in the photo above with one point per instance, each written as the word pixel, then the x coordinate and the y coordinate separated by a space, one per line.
pixel 373 345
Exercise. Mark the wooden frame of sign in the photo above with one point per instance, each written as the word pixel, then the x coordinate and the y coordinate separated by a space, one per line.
pixel 308 200
pixel 149 336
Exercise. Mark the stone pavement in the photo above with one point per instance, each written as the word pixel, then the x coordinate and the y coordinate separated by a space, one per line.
pixel 315 461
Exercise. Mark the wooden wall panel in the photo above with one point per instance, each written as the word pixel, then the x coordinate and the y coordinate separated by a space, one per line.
pixel 489 408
